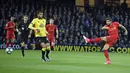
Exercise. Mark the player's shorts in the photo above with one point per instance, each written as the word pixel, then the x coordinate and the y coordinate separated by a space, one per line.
pixel 10 36
pixel 111 40
pixel 24 38
pixel 39 40
pixel 51 39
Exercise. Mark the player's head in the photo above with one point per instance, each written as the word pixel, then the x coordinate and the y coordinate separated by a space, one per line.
pixel 108 21
pixel 51 21
pixel 12 18
pixel 40 14
pixel 25 18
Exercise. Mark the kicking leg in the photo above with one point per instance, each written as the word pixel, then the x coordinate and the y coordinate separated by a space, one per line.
pixel 87 40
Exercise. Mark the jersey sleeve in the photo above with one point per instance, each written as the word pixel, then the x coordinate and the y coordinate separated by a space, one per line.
pixel 7 26
pixel 31 25
pixel 117 24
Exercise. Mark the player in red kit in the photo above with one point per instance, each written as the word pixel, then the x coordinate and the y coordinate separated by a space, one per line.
pixel 111 39
pixel 10 29
pixel 51 28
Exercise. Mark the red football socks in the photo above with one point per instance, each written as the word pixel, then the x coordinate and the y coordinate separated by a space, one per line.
pixel 12 44
pixel 7 45
pixel 96 40
pixel 106 54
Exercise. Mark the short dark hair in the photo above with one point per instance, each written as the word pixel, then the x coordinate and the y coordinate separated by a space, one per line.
pixel 109 19
pixel 39 12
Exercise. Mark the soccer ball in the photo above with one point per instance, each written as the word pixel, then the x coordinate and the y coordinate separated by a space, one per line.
pixel 9 50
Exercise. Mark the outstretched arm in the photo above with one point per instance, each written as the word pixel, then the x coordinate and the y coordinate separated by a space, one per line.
pixel 105 28
pixel 121 26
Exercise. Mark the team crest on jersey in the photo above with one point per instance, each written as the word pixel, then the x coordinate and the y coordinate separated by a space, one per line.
pixel 41 25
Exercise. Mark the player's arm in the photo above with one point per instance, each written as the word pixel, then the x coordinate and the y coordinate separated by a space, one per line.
pixel 18 29
pixel 8 27
pixel 121 26
pixel 30 32
pixel 105 28
pixel 57 34
pixel 31 25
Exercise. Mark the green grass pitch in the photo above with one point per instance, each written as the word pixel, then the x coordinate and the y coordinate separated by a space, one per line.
pixel 63 62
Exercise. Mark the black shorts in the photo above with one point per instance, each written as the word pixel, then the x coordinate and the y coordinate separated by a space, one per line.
pixel 39 40
pixel 23 38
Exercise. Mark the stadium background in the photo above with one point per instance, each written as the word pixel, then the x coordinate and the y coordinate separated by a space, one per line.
pixel 73 18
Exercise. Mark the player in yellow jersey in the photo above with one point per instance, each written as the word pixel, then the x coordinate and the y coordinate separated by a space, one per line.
pixel 38 25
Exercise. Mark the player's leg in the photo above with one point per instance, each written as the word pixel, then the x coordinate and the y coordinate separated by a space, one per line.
pixel 52 40
pixel 99 39
pixel 7 43
pixel 12 42
pixel 12 39
pixel 52 45
pixel 7 40
pixel 43 45
pixel 22 48
pixel 48 51
pixel 105 49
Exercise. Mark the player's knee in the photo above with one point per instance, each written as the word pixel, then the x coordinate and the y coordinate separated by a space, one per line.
pixel 103 38
pixel 22 44
pixel 47 44
pixel 43 45
pixel 7 41
pixel 106 47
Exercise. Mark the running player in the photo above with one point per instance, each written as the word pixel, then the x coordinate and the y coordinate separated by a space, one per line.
pixel 38 25
pixel 51 28
pixel 111 39
pixel 10 33
pixel 23 33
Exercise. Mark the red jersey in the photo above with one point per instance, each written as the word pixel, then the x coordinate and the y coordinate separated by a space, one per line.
pixel 51 29
pixel 10 24
pixel 113 29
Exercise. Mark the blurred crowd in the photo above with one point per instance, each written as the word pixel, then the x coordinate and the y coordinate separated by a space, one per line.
pixel 70 20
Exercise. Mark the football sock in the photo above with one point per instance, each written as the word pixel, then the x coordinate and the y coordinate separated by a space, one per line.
pixel 43 53
pixel 22 49
pixel 96 40
pixel 47 52
pixel 7 45
pixel 12 44
pixel 106 54
pixel 52 48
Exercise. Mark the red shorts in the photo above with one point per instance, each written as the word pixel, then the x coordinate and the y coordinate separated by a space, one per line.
pixel 111 40
pixel 10 36
pixel 51 39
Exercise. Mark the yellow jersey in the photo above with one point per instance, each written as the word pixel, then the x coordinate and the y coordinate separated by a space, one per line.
pixel 39 24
